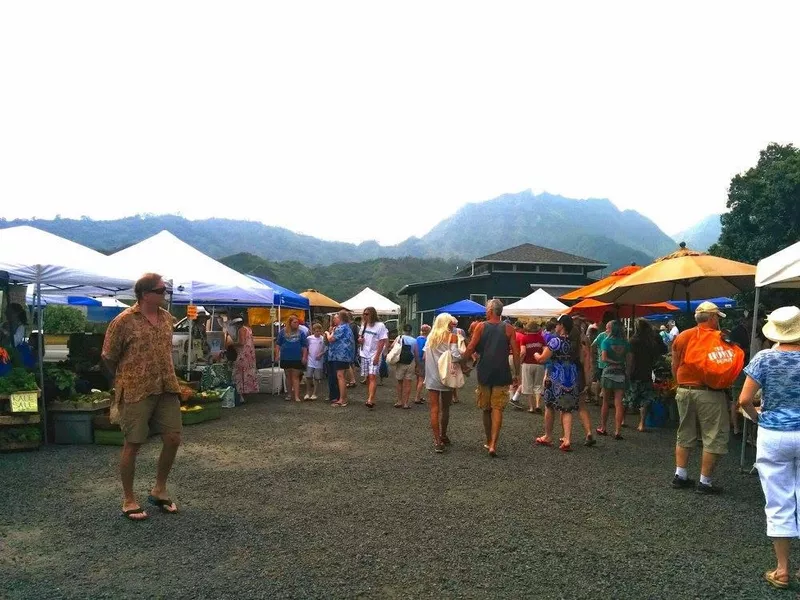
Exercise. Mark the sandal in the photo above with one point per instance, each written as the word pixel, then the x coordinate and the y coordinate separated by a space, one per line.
pixel 590 441
pixel 438 448
pixel 565 447
pixel 398 405
pixel 369 404
pixel 163 503
pixel 618 436
pixel 543 441
pixel 601 431
pixel 446 441
pixel 128 514
pixel 406 407
pixel 420 401
pixel 772 579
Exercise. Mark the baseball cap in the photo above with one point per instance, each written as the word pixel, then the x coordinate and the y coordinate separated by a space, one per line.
pixel 565 320
pixel 709 307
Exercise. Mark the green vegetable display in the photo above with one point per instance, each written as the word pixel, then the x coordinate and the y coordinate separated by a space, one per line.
pixel 18 380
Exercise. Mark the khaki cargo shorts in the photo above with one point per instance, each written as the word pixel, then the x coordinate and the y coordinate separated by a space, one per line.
pixel 158 414
pixel 492 397
pixel 405 372
pixel 706 410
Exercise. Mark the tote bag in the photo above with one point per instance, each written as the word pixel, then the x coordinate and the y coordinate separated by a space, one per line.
pixel 450 372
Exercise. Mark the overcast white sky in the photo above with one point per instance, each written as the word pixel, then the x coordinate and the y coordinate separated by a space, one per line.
pixel 396 113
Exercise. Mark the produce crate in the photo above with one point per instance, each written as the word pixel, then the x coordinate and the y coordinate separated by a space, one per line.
pixel 72 427
pixel 211 411
pixel 20 437
pixel 20 419
pixel 109 437
pixel 16 446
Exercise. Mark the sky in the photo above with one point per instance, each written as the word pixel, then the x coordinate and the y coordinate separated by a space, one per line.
pixel 375 120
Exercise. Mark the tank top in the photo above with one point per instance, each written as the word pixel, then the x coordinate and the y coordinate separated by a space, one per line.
pixel 493 369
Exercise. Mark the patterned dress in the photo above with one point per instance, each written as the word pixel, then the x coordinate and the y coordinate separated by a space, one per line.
pixel 561 383
pixel 245 376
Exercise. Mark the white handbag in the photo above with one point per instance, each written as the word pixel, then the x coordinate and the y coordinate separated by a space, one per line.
pixel 450 372
pixel 393 357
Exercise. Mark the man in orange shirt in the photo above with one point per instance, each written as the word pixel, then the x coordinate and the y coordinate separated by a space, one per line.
pixel 699 407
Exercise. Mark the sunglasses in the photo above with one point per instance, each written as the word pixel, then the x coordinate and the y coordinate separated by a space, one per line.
pixel 159 290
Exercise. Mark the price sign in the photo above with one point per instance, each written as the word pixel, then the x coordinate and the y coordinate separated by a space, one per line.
pixel 191 312
pixel 25 402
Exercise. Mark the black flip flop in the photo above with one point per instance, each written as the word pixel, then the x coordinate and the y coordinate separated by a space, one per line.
pixel 163 504
pixel 134 511
pixel 369 404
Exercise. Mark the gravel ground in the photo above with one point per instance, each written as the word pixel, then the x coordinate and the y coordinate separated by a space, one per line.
pixel 280 500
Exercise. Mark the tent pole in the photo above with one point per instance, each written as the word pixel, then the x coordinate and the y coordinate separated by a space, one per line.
pixel 189 352
pixel 40 351
pixel 753 348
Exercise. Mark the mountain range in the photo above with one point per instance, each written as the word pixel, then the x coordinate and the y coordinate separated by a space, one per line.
pixel 593 228
pixel 702 235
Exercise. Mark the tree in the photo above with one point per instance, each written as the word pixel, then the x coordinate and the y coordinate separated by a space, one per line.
pixel 63 320
pixel 764 205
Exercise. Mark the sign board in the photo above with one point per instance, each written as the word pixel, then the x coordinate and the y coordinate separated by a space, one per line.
pixel 25 402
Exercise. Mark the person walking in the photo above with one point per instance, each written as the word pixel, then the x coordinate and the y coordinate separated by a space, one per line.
pixel 531 343
pixel 137 353
pixel 406 368
pixel 341 350
pixel 561 384
pixel 701 408
pixel 440 340
pixel 372 340
pixel 616 355
pixel 491 340
pixel 776 372
pixel 292 355
pixel 424 330
pixel 245 374
pixel 314 369
pixel 647 347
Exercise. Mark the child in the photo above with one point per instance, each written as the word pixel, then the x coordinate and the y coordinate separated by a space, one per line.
pixel 316 351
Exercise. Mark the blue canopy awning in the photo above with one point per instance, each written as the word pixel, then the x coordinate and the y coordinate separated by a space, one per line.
pixel 283 296
pixel 722 303
pixel 463 308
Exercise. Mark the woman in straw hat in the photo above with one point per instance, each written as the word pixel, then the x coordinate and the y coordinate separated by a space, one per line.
pixel 776 372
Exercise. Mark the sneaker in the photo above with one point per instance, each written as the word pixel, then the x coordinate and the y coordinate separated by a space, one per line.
pixel 306 397
pixel 709 489
pixel 313 397
pixel 680 484
pixel 516 404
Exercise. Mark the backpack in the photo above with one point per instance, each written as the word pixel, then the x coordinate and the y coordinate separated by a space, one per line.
pixel 406 353
pixel 717 361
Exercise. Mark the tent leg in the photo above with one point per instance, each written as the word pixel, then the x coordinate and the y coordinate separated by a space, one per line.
pixel 189 351
pixel 40 352
pixel 753 348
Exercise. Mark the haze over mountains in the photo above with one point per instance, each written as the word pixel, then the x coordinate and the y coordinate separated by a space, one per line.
pixel 593 228
pixel 702 235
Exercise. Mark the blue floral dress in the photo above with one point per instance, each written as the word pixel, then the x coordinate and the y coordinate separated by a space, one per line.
pixel 561 383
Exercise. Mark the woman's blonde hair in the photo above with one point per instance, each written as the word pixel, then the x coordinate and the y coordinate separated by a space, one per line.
pixel 440 334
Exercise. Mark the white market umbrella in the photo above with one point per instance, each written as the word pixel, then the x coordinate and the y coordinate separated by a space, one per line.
pixel 537 304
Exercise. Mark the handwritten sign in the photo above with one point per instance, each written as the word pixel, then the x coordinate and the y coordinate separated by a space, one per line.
pixel 24 402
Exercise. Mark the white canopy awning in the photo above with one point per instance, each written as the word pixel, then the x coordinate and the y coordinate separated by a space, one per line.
pixel 537 304
pixel 368 297
pixel 30 255
pixel 781 270
pixel 195 277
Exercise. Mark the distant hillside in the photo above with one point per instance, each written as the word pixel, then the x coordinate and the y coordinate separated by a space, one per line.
pixel 591 228
pixel 702 235
pixel 341 281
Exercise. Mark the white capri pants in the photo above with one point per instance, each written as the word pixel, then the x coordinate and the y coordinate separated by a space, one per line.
pixel 778 464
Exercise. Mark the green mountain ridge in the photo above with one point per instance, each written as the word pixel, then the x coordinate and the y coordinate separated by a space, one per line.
pixel 701 236
pixel 593 228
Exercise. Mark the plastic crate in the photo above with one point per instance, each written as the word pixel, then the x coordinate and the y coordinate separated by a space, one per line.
pixel 72 427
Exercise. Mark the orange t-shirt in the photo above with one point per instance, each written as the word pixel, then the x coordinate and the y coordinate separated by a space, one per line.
pixel 686 374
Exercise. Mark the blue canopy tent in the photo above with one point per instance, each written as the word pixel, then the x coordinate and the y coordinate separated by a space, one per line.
pixel 722 303
pixel 283 296
pixel 463 308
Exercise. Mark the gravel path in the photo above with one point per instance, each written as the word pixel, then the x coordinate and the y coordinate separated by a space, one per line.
pixel 280 500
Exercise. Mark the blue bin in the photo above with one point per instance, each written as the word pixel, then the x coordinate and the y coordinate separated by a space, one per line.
pixel 657 415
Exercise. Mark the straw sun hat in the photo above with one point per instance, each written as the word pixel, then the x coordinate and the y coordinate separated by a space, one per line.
pixel 783 325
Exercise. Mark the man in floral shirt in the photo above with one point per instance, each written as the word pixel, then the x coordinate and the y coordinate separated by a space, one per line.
pixel 138 353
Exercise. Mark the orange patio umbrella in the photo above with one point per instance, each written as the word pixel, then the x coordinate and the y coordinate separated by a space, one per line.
pixel 601 285
pixel 318 300
pixel 683 274
pixel 594 310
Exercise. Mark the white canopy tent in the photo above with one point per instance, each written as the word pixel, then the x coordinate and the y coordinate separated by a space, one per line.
pixel 781 270
pixel 537 304
pixel 369 297
pixel 32 256
pixel 194 275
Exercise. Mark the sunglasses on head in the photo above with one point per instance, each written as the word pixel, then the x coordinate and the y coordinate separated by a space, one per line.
pixel 159 290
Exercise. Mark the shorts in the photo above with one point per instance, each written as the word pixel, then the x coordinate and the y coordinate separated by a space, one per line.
pixel 420 369
pixel 639 394
pixel 405 372
pixel 367 368
pixel 157 414
pixel 708 411
pixel 296 365
pixel 314 373
pixel 492 398
pixel 338 365
pixel 613 379
pixel 532 378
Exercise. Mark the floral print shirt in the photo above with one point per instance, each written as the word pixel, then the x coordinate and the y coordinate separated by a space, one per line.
pixel 141 355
